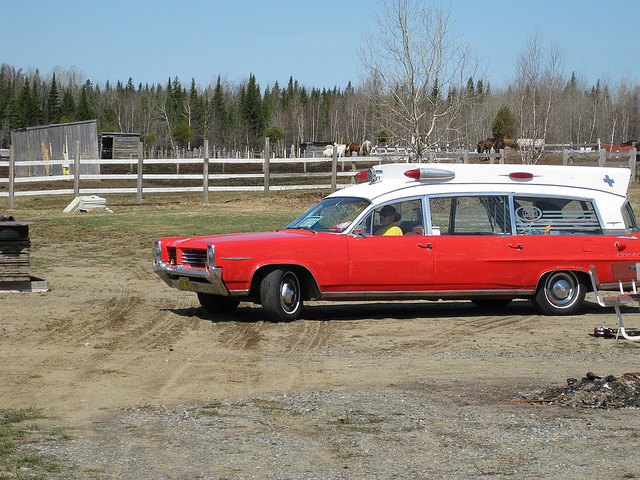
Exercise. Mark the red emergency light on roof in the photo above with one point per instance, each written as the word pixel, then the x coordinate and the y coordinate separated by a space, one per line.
pixel 363 175
pixel 430 174
pixel 521 176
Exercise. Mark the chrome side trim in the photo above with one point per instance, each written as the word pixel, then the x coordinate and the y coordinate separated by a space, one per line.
pixel 427 294
pixel 201 280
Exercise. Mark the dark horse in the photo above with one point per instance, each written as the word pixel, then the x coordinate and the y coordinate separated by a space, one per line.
pixel 497 143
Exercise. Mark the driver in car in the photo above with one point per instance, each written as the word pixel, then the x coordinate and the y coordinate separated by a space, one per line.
pixel 388 219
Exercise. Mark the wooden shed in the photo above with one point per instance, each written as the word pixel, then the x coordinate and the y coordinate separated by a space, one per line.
pixel 55 142
pixel 115 145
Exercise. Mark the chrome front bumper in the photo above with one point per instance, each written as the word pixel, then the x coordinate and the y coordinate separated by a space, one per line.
pixel 200 280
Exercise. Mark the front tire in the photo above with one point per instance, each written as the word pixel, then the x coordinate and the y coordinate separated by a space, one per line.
pixel 281 295
pixel 560 293
pixel 217 303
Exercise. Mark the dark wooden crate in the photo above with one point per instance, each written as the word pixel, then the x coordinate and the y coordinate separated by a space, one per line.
pixel 14 252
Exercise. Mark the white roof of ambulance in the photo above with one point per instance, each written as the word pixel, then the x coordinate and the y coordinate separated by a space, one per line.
pixel 606 185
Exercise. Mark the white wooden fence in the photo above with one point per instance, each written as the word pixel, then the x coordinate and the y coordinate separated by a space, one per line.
pixel 200 181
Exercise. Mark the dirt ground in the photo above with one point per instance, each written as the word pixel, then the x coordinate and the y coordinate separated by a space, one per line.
pixel 143 384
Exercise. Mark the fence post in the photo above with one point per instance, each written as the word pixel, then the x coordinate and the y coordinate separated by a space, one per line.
pixel 602 157
pixel 334 168
pixel 140 158
pixel 267 167
pixel 205 173
pixel 632 163
pixel 12 168
pixel 565 156
pixel 76 171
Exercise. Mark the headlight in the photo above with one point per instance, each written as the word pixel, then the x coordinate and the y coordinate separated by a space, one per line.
pixel 158 251
pixel 211 256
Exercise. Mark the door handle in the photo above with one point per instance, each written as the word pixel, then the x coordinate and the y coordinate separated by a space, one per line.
pixel 426 245
pixel 519 246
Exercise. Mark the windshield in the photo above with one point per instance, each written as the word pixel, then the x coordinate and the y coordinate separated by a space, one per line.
pixel 333 214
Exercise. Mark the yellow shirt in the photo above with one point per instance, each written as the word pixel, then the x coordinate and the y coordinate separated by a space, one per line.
pixel 389 230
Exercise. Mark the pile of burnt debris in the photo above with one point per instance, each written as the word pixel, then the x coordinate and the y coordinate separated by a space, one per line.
pixel 592 391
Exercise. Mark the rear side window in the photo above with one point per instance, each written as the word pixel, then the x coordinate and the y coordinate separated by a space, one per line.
pixel 555 216
pixel 470 215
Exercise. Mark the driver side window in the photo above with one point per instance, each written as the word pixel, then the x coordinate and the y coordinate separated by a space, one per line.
pixel 396 219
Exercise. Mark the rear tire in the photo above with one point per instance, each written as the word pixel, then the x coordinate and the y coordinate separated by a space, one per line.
pixel 281 296
pixel 217 303
pixel 560 293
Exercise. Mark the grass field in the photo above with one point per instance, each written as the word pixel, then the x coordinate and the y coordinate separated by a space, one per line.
pixel 133 226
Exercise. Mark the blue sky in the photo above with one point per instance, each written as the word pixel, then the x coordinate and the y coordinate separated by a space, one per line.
pixel 315 42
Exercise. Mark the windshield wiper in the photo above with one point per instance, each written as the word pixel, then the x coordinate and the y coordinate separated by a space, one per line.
pixel 298 228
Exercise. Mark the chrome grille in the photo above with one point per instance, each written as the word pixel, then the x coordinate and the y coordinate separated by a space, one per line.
pixel 195 258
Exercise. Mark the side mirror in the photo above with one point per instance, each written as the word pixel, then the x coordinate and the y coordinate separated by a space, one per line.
pixel 360 231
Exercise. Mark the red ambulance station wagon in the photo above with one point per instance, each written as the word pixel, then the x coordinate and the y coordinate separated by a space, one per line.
pixel 486 233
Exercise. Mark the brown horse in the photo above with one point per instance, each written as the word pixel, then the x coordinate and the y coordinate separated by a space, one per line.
pixel 353 147
pixel 485 145
pixel 497 143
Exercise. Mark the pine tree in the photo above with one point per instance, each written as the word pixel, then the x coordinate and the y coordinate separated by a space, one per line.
pixel 52 109
pixel 196 113
pixel 504 124
pixel 471 90
pixel 37 105
pixel 26 106
pixel 251 111
pixel 67 106
pixel 12 112
pixel 83 110
pixel 220 110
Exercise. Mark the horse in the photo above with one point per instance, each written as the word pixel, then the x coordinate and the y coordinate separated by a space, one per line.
pixel 497 143
pixel 485 145
pixel 353 147
pixel 366 148
pixel 328 150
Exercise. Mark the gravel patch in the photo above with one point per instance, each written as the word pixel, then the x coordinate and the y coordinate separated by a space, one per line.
pixel 440 430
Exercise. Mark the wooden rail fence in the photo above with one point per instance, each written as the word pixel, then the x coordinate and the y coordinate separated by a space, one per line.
pixel 203 178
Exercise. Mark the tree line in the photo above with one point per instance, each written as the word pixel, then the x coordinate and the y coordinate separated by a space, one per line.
pixel 237 116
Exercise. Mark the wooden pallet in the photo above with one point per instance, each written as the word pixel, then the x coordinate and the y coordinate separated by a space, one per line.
pixel 14 253
pixel 14 260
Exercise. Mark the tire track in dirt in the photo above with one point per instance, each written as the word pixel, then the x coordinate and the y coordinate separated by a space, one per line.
pixel 132 321
pixel 121 324
pixel 484 324
pixel 308 337
pixel 241 335
pixel 461 329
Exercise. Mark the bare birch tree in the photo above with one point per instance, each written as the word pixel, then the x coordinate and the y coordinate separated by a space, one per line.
pixel 539 86
pixel 419 68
